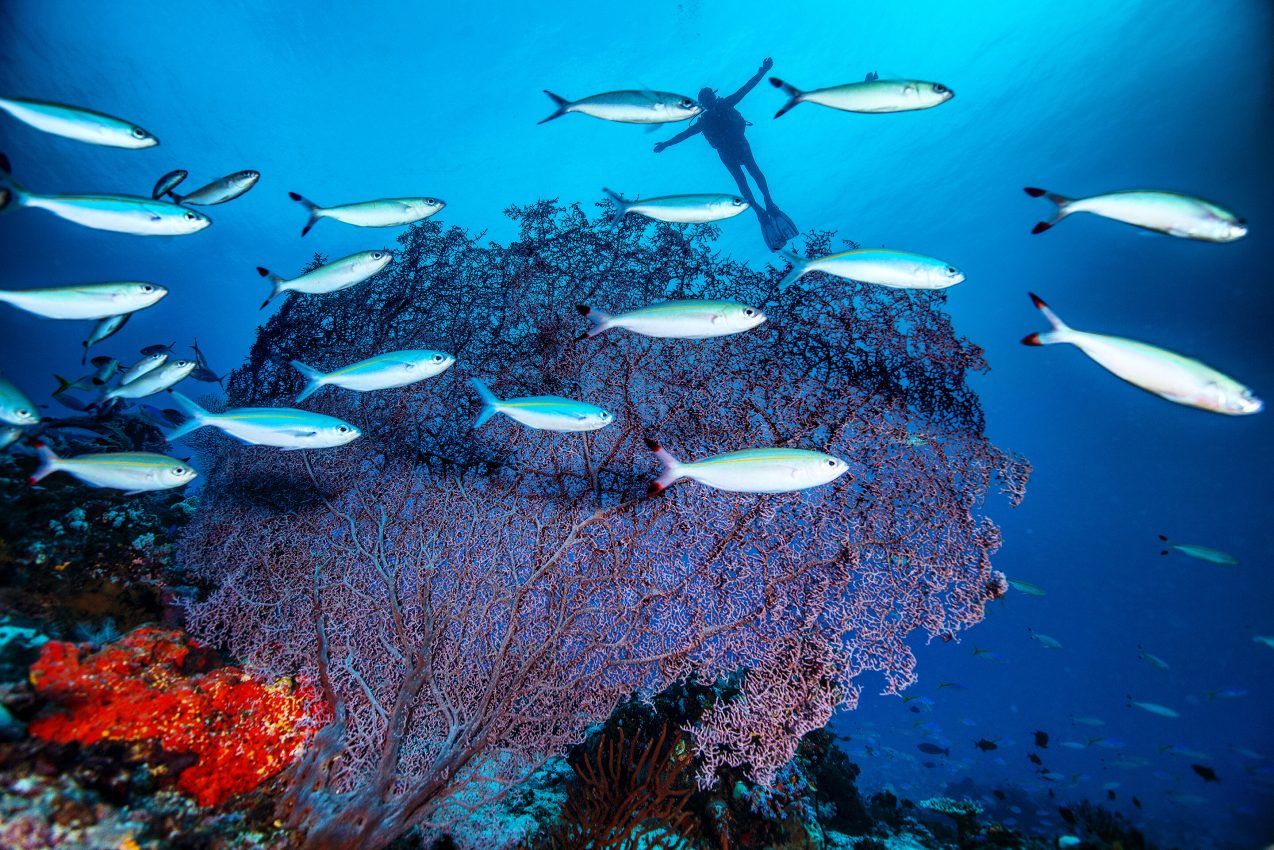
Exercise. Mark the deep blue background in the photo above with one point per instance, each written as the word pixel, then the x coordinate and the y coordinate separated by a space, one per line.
pixel 1080 97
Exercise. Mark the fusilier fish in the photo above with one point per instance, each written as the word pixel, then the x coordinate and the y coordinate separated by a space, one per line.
pixel 385 212
pixel 382 372
pixel 1155 708
pixel 219 191
pixel 83 125
pixel 1201 553
pixel 869 96
pixel 86 300
pixel 1044 640
pixel 1026 587
pixel 542 412
pixel 168 182
pixel 154 381
pixel 752 470
pixel 104 328
pixel 15 407
pixel 686 319
pixel 284 427
pixel 336 275
pixel 9 434
pixel 1168 375
pixel 1162 212
pixel 881 266
pixel 134 472
pixel 116 213
pixel 141 367
pixel 679 209
pixel 629 106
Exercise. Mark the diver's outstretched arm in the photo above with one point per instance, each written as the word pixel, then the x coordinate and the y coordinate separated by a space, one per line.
pixel 680 137
pixel 733 100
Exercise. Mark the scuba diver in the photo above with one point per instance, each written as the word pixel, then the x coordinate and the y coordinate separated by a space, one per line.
pixel 722 127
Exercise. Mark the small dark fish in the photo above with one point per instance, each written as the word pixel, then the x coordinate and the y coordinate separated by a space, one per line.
pixel 158 349
pixel 933 749
pixel 1041 740
pixel 914 709
pixel 929 764
pixel 986 746
pixel 955 686
pixel 1136 802
pixel 1208 774
pixel 999 795
pixel 1110 793
pixel 1035 759
pixel 167 183
pixel 1067 815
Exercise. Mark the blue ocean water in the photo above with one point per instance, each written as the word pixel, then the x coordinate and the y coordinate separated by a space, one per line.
pixel 386 98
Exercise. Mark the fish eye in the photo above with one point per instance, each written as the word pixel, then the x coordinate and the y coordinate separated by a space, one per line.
pixel 952 270
pixel 146 287
pixel 342 429
pixel 179 470
pixel 376 255
pixel 939 88
pixel 190 216
pixel 605 415
pixel 738 202
pixel 831 461
pixel 23 413
pixel 433 202
pixel 748 311
pixel 139 133
pixel 686 103
pixel 438 358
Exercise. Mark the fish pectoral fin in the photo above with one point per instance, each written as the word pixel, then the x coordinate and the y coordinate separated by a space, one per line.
pixel 299 432
pixel 156 217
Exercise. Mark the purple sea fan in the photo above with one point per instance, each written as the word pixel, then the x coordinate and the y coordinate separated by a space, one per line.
pixel 470 601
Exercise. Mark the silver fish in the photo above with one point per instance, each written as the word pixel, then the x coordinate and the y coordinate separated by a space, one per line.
pixel 141 367
pixel 773 470
pixel 385 212
pixel 104 328
pixel 629 106
pixel 1167 375
pixel 134 472
pixel 870 96
pixel 168 182
pixel 284 427
pixel 85 301
pixel 685 319
pixel 879 266
pixel 116 213
pixel 15 407
pixel 382 372
pixel 155 381
pixel 543 413
pixel 1163 212
pixel 219 191
pixel 336 275
pixel 679 209
pixel 9 435
pixel 83 125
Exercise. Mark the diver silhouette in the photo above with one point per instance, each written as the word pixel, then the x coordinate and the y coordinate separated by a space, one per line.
pixel 723 127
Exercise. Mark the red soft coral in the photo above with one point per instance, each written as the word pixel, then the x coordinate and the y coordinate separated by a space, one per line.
pixel 138 688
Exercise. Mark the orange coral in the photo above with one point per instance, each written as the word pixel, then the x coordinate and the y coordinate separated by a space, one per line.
pixel 138 689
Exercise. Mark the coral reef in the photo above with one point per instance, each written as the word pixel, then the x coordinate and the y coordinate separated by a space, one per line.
pixel 154 687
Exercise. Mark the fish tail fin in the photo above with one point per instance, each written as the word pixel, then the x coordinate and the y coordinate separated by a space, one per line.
pixel 1061 331
pixel 177 199
pixel 198 416
pixel 670 469
pixel 12 195
pixel 275 280
pixel 490 404
pixel 313 377
pixel 48 463
pixel 560 102
pixel 600 321
pixel 316 212
pixel 800 266
pixel 1060 200
pixel 794 95
pixel 63 384
pixel 947 752
pixel 621 207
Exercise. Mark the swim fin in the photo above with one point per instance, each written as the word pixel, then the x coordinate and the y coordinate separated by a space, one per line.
pixel 785 227
pixel 770 231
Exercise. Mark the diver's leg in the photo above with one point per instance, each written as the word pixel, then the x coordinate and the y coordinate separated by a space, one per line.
pixel 749 162
pixel 736 171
